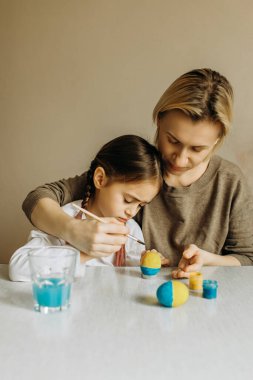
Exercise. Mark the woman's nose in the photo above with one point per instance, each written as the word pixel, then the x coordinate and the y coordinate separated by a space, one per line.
pixel 181 158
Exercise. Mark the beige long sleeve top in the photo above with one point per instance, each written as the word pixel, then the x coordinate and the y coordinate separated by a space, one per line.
pixel 215 212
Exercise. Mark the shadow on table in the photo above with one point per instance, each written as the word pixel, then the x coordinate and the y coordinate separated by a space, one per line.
pixel 5 273
pixel 147 300
pixel 165 274
pixel 131 271
pixel 194 293
pixel 20 299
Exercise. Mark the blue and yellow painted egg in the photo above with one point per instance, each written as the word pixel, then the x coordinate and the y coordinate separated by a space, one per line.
pixel 172 293
pixel 150 263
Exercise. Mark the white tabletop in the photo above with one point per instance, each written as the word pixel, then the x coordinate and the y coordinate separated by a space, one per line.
pixel 115 329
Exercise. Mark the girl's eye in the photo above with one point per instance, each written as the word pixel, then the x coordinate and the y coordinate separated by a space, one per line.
pixel 127 201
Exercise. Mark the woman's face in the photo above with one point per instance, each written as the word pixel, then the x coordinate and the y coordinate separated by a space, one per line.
pixel 185 144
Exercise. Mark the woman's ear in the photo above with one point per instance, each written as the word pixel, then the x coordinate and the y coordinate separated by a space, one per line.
pixel 99 177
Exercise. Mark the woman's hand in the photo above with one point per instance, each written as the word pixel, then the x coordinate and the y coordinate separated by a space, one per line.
pixel 193 258
pixel 94 238
pixel 164 260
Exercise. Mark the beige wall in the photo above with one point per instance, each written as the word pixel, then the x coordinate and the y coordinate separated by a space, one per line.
pixel 74 74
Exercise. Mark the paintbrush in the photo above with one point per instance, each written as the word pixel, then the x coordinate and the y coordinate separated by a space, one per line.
pixel 103 221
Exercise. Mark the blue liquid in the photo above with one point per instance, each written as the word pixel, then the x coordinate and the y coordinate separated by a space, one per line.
pixel 52 292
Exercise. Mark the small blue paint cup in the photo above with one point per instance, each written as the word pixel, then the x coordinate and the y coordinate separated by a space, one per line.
pixel 210 289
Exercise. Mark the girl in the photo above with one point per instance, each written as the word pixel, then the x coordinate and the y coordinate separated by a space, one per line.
pixel 124 176
pixel 204 212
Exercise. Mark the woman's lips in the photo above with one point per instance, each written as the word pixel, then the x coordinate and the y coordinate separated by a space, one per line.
pixel 177 168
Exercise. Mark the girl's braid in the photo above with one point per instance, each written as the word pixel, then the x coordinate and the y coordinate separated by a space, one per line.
pixel 90 188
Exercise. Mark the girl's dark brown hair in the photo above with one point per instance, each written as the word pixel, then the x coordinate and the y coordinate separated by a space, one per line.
pixel 127 158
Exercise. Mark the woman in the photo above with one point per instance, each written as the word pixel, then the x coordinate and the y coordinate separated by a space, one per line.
pixel 204 213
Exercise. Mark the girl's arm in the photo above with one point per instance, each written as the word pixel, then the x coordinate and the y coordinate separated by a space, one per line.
pixel 19 269
pixel 94 238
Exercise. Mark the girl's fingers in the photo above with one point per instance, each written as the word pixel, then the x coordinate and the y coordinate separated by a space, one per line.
pixel 107 239
pixel 111 228
pixel 102 250
pixel 97 238
pixel 112 220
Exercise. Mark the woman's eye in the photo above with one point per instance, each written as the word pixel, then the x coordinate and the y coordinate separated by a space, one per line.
pixel 172 141
pixel 127 201
pixel 197 150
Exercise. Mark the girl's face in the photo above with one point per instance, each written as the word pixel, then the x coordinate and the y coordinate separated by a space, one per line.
pixel 122 200
pixel 185 144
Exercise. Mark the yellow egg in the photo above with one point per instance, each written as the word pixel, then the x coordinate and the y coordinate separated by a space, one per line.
pixel 150 264
pixel 151 259
pixel 172 293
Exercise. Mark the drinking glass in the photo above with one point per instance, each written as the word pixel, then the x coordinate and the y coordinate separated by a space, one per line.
pixel 52 272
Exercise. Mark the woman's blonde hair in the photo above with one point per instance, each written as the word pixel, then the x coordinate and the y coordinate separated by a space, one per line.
pixel 202 94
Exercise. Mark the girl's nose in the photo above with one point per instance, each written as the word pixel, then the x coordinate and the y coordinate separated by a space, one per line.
pixel 131 211
pixel 128 213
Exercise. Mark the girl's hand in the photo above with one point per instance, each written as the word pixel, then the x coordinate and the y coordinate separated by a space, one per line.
pixel 94 238
pixel 193 258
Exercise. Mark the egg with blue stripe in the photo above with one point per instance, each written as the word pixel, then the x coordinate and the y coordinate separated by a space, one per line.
pixel 150 263
pixel 172 293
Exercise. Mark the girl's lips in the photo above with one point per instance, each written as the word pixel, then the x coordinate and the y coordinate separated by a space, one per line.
pixel 122 220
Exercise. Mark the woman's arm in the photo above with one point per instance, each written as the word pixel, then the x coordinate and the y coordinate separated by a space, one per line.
pixel 63 191
pixel 193 258
pixel 239 241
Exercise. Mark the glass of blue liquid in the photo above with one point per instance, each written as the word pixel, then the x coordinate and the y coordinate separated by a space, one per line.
pixel 52 271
